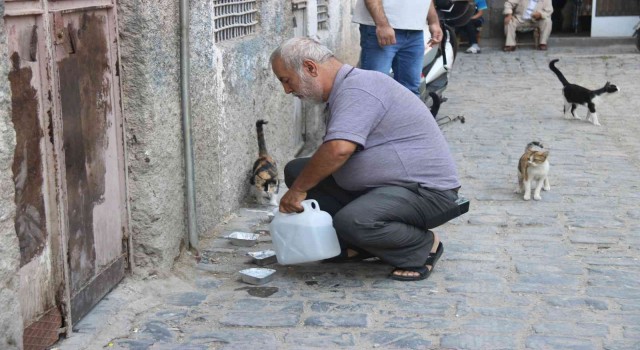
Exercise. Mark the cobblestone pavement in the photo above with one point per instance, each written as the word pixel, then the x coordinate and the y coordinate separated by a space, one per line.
pixel 560 273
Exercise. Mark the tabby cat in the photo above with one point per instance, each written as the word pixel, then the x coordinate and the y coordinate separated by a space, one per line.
pixel 264 177
pixel 577 95
pixel 533 167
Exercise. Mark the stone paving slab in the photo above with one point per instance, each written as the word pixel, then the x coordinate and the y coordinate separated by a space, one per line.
pixel 560 273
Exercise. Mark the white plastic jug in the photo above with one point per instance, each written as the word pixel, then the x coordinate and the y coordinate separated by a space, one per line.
pixel 304 237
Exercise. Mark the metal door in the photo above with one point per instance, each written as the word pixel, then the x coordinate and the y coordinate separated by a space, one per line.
pixel 41 273
pixel 68 163
pixel 299 8
pixel 91 150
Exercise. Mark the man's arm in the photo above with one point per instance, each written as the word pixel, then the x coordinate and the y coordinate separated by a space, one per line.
pixel 434 25
pixel 509 7
pixel 386 35
pixel 547 10
pixel 329 157
pixel 478 14
pixel 481 5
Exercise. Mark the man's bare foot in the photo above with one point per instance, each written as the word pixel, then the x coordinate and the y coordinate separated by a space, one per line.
pixel 413 274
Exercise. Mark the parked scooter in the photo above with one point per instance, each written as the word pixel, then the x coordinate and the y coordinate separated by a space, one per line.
pixel 438 60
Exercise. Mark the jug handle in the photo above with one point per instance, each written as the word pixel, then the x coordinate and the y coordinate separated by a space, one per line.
pixel 310 204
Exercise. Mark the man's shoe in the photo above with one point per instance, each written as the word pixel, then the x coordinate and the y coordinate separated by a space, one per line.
pixel 542 47
pixel 473 49
pixel 509 48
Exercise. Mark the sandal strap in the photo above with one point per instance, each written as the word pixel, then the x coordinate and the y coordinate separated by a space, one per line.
pixel 434 257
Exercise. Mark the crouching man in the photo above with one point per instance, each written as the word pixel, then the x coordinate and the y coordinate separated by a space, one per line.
pixel 384 171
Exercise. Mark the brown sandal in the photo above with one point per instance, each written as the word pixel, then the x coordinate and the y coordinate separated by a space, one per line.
pixel 509 48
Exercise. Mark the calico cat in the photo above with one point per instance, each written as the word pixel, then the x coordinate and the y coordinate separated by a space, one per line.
pixel 533 167
pixel 578 95
pixel 264 177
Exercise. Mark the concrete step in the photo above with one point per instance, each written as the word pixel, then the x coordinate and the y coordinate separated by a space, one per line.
pixel 567 41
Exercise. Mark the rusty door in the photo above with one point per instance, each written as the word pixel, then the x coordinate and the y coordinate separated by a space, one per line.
pixel 91 152
pixel 71 208
pixel 41 272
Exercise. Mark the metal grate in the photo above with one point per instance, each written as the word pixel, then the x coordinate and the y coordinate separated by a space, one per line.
pixel 323 15
pixel 44 332
pixel 234 18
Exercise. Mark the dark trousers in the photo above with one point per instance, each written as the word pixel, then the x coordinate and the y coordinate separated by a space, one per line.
pixel 470 30
pixel 390 222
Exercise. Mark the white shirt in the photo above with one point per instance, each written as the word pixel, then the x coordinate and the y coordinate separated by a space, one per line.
pixel 529 11
pixel 401 14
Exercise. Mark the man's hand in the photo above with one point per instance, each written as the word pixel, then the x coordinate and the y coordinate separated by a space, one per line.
pixel 386 35
pixel 507 19
pixel 536 16
pixel 436 34
pixel 290 202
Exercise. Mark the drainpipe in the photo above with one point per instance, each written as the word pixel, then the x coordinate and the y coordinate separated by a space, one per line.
pixel 192 229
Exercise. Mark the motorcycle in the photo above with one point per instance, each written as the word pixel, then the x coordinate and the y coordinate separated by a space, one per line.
pixel 438 60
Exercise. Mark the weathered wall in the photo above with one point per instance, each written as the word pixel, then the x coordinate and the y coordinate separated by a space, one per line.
pixel 149 50
pixel 344 39
pixel 232 86
pixel 494 20
pixel 10 317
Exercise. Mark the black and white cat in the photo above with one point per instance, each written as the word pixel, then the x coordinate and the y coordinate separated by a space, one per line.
pixel 577 95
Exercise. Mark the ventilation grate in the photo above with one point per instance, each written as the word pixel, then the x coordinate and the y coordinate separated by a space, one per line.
pixel 323 15
pixel 234 18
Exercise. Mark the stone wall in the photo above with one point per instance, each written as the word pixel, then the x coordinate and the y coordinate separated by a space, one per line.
pixel 493 27
pixel 10 317
pixel 232 86
pixel 150 58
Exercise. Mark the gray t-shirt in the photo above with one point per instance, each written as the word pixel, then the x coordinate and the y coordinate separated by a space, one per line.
pixel 399 140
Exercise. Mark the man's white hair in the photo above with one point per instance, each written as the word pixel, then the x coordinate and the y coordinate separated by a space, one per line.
pixel 294 51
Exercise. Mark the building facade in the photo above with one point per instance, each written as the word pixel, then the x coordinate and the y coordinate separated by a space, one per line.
pixel 92 138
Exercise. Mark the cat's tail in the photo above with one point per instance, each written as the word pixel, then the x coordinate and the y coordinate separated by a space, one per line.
pixel 552 65
pixel 262 145
pixel 532 144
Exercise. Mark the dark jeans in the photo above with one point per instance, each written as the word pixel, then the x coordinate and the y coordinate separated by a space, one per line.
pixel 470 30
pixel 390 222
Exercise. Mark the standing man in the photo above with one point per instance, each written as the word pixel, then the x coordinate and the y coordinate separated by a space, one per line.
pixel 384 171
pixel 527 14
pixel 392 37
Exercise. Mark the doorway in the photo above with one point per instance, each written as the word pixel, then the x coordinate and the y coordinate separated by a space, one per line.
pixel 571 18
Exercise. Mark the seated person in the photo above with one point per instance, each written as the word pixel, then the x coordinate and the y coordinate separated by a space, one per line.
pixel 470 30
pixel 525 14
